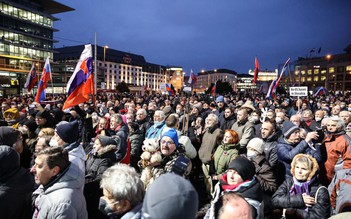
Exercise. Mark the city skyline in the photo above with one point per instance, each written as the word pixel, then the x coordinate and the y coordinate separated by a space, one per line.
pixel 205 35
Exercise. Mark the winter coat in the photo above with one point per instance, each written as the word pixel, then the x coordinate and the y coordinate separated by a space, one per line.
pixel 222 157
pixel 270 148
pixel 295 205
pixel 136 141
pixel 77 156
pixel 250 190
pixel 208 146
pixel 62 197
pixel 264 174
pixel 122 132
pixel 286 152
pixel 155 130
pixel 245 131
pixel 144 125
pixel 16 186
pixel 228 122
pixel 134 213
pixel 97 163
pixel 338 153
pixel 220 113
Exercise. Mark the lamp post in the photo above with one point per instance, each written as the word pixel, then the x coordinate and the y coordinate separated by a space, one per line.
pixel 105 47
pixel 328 57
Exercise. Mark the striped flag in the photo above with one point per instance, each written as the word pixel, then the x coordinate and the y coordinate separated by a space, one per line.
pixel 286 64
pixel 270 94
pixel 257 68
pixel 81 83
pixel 45 78
pixel 169 89
pixel 321 91
pixel 214 89
pixel 192 79
pixel 31 78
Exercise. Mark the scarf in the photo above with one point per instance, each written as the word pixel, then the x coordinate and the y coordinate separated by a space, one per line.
pixel 226 187
pixel 298 188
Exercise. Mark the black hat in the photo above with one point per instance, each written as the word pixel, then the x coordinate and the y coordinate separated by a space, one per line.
pixel 106 140
pixel 68 131
pixel 289 128
pixel 244 167
pixel 8 136
pixel 9 161
pixel 32 125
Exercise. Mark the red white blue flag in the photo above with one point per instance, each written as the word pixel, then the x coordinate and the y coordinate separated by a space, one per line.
pixel 169 89
pixel 257 68
pixel 192 79
pixel 270 93
pixel 286 64
pixel 214 89
pixel 31 78
pixel 45 78
pixel 81 83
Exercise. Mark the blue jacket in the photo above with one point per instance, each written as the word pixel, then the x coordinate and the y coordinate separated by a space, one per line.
pixel 155 130
pixel 286 152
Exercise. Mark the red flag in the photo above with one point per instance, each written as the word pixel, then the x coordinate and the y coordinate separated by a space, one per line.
pixel 257 68
pixel 45 78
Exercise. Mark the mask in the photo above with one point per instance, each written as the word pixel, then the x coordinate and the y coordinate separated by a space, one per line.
pixel 254 119
pixel 178 111
pixel 349 109
pixel 105 208
pixel 53 142
pixel 251 155
pixel 278 120
pixel 318 119
pixel 157 123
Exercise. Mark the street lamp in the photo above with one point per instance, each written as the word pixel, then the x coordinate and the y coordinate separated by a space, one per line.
pixel 105 47
pixel 328 57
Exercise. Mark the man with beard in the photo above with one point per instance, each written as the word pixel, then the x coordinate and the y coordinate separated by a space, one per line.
pixel 244 128
pixel 338 147
pixel 208 147
pixel 270 135
pixel 229 118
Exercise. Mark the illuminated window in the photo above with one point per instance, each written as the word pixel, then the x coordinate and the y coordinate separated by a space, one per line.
pixel 331 70
pixel 316 71
pixel 348 68
pixel 323 71
pixel 315 78
pixel 303 72
pixel 309 78
pixel 309 72
pixel 303 79
pixel 323 78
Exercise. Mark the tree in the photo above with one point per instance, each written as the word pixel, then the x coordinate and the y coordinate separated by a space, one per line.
pixel 122 87
pixel 221 88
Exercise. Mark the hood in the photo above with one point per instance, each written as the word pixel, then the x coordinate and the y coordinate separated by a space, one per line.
pixel 9 162
pixel 170 196
pixel 106 149
pixel 315 166
pixel 69 179
pixel 77 152
pixel 230 146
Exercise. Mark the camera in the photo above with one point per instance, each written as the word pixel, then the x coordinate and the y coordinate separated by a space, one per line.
pixel 180 165
pixel 320 138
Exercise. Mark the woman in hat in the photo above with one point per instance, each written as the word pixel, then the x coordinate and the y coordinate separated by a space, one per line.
pixel 303 196
pixel 239 178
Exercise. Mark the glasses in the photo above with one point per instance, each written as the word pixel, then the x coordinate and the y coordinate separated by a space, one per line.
pixel 167 142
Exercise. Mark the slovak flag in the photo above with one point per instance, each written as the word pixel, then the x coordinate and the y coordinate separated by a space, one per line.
pixel 192 79
pixel 45 78
pixel 31 78
pixel 169 89
pixel 257 68
pixel 214 89
pixel 81 83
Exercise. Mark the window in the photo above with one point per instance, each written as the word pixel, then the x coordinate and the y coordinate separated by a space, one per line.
pixel 309 72
pixel 315 78
pixel 316 71
pixel 348 68
pixel 331 70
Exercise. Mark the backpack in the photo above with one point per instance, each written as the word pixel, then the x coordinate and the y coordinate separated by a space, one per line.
pixel 340 191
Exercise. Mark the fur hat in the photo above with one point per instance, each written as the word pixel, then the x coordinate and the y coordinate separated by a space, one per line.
pixel 314 162
pixel 248 104
pixel 68 131
pixel 8 135
pixel 172 133
pixel 289 128
pixel 244 167
pixel 220 99
pixel 256 144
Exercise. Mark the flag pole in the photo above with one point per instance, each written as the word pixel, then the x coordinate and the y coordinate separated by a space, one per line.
pixel 95 71
pixel 52 84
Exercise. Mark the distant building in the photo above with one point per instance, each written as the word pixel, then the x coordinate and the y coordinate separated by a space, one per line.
pixel 205 78
pixel 331 71
pixel 26 37
pixel 245 83
pixel 265 75
pixel 113 67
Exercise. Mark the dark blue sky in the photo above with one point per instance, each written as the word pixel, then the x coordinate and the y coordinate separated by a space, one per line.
pixel 209 34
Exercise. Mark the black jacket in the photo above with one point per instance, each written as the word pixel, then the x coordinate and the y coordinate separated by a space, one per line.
pixel 295 205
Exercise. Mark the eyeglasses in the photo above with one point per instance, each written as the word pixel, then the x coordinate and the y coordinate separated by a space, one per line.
pixel 167 142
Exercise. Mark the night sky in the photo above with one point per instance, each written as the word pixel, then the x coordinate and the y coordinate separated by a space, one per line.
pixel 209 34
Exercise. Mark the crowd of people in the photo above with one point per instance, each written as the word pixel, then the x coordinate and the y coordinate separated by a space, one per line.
pixel 159 156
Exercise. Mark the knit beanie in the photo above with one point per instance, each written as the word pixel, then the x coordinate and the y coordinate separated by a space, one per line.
pixel 220 99
pixel 256 144
pixel 244 167
pixel 289 128
pixel 9 161
pixel 172 133
pixel 68 131
pixel 8 135
pixel 170 196
pixel 106 140
pixel 32 125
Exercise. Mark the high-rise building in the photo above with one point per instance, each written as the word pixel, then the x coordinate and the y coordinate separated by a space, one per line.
pixel 26 37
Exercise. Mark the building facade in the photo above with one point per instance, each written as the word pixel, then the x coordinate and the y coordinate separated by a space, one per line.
pixel 331 71
pixel 113 67
pixel 205 78
pixel 26 37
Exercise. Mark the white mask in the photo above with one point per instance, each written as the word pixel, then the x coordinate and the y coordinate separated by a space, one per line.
pixel 278 120
pixel 251 154
pixel 53 142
